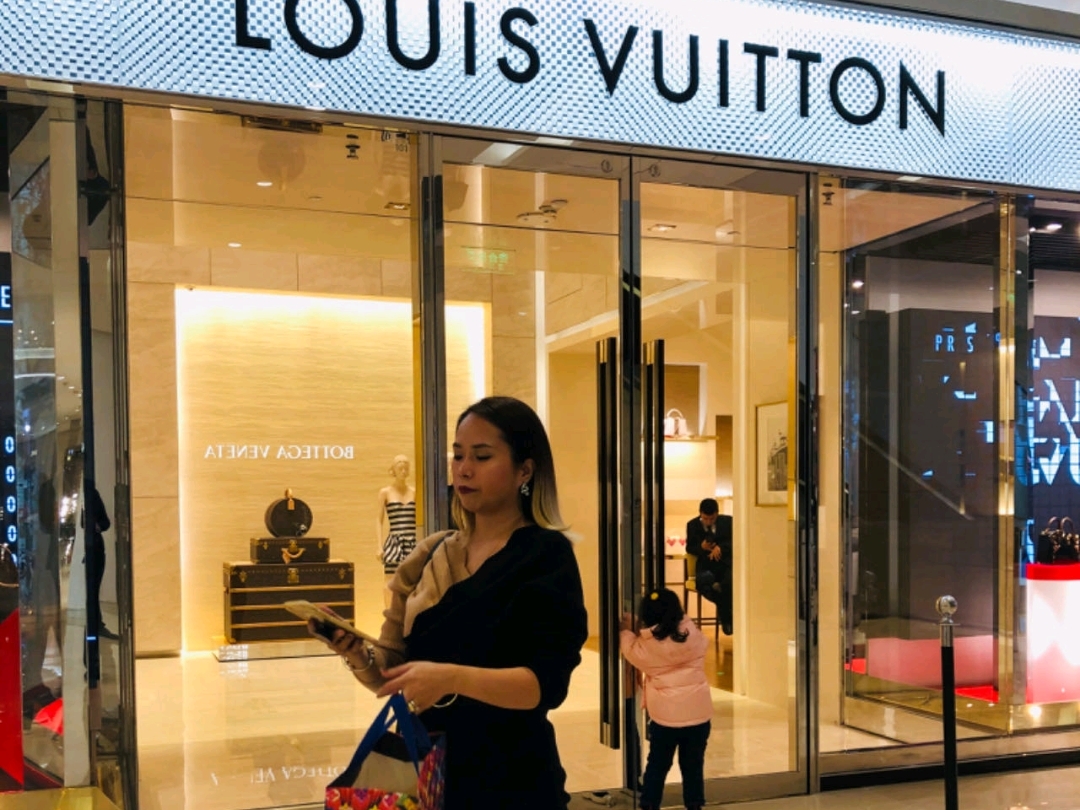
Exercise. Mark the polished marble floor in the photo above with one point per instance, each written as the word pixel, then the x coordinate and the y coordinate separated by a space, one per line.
pixel 1052 789
pixel 233 735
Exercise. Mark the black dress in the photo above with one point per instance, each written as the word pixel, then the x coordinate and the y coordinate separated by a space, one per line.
pixel 524 607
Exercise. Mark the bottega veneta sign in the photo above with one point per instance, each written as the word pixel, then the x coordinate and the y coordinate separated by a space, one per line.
pixel 515 24
pixel 832 85
pixel 279 452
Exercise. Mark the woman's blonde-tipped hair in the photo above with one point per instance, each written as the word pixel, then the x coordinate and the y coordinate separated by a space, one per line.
pixel 522 429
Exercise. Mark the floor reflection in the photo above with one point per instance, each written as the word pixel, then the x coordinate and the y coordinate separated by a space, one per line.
pixel 271 733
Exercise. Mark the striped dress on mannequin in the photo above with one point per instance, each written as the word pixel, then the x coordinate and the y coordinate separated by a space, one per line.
pixel 402 537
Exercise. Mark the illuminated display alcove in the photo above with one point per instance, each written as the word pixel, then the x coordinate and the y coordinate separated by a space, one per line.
pixel 309 392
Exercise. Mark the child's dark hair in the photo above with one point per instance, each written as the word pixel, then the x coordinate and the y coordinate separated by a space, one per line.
pixel 661 611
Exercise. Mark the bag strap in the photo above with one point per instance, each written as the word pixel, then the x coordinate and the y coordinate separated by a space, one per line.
pixel 409 727
pixel 375 731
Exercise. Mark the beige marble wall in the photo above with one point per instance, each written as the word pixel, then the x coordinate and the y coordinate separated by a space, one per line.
pixel 764 587
pixel 154 469
pixel 573 431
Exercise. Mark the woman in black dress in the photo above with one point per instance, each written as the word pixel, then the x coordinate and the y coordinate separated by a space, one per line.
pixel 487 623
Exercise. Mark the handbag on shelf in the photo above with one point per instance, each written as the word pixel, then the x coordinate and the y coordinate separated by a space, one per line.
pixel 675 426
pixel 1049 541
pixel 1068 549
pixel 393 770
pixel 1058 544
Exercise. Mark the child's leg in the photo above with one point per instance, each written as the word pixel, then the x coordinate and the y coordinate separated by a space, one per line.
pixel 692 763
pixel 662 744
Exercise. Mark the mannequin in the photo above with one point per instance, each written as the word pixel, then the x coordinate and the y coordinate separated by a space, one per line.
pixel 395 524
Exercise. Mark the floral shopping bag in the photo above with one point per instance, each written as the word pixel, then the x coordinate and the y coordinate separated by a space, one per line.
pixel 392 770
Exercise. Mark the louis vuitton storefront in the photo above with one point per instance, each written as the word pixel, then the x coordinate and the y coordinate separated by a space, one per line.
pixel 816 262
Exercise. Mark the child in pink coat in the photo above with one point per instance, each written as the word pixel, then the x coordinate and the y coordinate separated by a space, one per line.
pixel 669 650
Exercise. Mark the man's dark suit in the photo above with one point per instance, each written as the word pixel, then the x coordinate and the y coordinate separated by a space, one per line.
pixel 711 571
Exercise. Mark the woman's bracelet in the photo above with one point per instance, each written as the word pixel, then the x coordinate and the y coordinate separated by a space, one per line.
pixel 370 659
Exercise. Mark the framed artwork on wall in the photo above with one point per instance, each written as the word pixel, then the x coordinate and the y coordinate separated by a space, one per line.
pixel 772 454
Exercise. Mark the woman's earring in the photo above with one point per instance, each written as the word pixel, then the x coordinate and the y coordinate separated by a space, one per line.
pixel 525 489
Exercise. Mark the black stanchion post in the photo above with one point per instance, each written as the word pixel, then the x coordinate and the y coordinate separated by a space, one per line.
pixel 946 607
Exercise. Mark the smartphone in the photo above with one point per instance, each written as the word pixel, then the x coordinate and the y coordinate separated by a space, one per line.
pixel 326 622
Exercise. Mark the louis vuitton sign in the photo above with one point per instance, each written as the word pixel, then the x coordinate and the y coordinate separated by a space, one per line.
pixel 834 85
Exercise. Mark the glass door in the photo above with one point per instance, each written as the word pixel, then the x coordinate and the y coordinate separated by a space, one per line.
pixel 650 312
pixel 532 297
pixel 725 497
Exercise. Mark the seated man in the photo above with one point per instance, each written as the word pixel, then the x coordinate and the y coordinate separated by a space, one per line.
pixel 708 537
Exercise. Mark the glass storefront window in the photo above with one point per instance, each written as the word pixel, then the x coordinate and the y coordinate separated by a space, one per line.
pixel 43 450
pixel 1047 555
pixel 271 274
pixel 919 473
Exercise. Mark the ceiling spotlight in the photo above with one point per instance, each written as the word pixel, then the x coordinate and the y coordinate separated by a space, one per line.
pixel 315 198
pixel 1032 229
pixel 396 206
pixel 857 284
pixel 1053 227
pixel 264 183
pixel 661 227
pixel 235 244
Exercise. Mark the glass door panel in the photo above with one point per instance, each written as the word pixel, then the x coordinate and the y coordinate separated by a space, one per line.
pixel 719 266
pixel 532 262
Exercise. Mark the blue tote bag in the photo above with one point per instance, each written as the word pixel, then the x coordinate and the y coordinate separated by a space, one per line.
pixel 400 768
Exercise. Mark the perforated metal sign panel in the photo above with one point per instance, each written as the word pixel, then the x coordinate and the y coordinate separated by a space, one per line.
pixel 787 80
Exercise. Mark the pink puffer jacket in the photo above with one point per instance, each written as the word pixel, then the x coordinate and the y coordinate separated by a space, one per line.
pixel 676 691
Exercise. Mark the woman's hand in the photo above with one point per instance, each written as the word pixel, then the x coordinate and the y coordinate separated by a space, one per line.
pixel 345 644
pixel 422 682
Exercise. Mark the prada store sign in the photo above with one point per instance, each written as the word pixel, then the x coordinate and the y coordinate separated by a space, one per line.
pixel 833 85
pixel 280 452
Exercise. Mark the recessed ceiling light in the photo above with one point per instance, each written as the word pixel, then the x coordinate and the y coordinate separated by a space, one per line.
pixel 661 227
pixel 909 178
pixel 1053 226
pixel 856 311
pixel 857 284
pixel 1032 229
pixel 397 206
pixel 235 244
pixel 264 183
